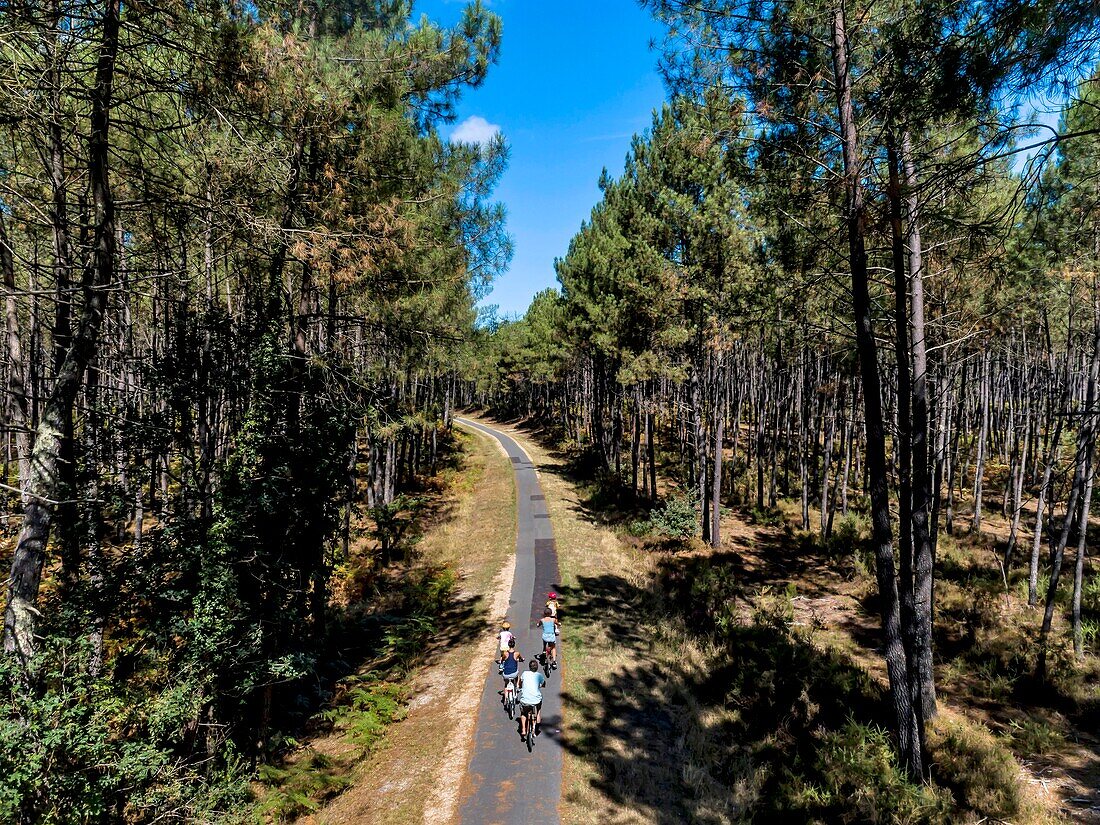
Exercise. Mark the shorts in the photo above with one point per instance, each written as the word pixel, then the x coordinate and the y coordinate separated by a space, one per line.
pixel 510 677
pixel 547 644
pixel 537 707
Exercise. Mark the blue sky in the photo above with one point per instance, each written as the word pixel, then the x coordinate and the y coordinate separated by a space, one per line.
pixel 575 81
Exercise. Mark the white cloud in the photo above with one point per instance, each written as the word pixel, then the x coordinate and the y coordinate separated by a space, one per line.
pixel 475 129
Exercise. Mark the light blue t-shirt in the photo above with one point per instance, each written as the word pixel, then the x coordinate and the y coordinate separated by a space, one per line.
pixel 548 630
pixel 530 687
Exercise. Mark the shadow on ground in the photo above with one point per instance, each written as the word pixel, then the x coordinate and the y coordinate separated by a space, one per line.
pixel 396 615
pixel 788 727
pixel 757 736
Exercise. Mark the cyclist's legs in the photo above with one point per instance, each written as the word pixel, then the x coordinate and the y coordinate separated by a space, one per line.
pixel 550 649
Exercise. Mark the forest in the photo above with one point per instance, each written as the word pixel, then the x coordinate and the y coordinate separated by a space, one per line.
pixel 847 266
pixel 849 270
pixel 240 268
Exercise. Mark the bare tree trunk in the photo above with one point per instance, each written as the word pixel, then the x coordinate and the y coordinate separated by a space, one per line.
pixel 922 504
pixel 849 449
pixel 1018 488
pixel 17 382
pixel 1079 566
pixel 953 451
pixel 830 434
pixel 651 454
pixel 903 446
pixel 719 435
pixel 20 614
pixel 1049 461
pixel 1085 446
pixel 983 435
pixel 896 667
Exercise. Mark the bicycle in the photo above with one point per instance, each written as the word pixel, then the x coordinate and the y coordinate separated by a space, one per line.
pixel 544 661
pixel 510 698
pixel 529 715
pixel 548 663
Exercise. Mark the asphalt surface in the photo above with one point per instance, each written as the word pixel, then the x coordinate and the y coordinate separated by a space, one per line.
pixel 505 784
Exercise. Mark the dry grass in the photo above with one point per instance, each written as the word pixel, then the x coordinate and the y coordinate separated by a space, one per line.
pixel 640 748
pixel 476 537
pixel 647 746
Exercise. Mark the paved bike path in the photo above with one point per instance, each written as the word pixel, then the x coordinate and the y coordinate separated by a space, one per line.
pixel 505 784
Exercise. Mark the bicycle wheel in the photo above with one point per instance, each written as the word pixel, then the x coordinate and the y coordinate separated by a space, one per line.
pixel 530 731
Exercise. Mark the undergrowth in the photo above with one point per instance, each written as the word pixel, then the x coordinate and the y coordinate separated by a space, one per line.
pixel 815 723
pixel 365 704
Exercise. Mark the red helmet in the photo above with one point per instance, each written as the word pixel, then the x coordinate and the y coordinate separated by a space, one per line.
pixel 551 595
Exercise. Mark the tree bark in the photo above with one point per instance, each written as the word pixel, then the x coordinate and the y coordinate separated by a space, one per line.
pixel 922 504
pixel 20 614
pixel 1085 445
pixel 904 718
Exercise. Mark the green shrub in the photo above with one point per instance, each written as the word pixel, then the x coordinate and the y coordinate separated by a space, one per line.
pixel 299 789
pixel 676 518
pixel 849 544
pixel 368 708
pixel 1034 737
pixel 980 771
pixel 1042 585
pixel 990 680
pixel 861 781
pixel 1090 633
pixel 75 748
pixel 1090 593
pixel 765 516
pixel 774 608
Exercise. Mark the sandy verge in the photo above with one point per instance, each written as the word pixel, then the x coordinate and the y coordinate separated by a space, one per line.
pixel 442 807
pixel 408 779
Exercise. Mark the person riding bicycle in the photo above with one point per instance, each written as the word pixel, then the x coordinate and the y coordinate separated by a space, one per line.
pixel 550 630
pixel 505 637
pixel 509 663
pixel 552 603
pixel 531 683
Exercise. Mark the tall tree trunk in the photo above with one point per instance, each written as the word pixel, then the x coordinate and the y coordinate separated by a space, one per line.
pixel 903 446
pixel 953 451
pixel 904 718
pixel 1085 446
pixel 719 435
pixel 20 614
pixel 1018 486
pixel 922 505
pixel 983 436
pixel 1049 460
pixel 1079 566
pixel 830 434
pixel 636 438
pixel 17 381
pixel 651 450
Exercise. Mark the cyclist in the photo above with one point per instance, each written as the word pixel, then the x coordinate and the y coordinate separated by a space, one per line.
pixel 505 637
pixel 550 631
pixel 552 603
pixel 531 683
pixel 509 663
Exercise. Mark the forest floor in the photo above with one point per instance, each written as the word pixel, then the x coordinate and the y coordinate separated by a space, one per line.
pixel 719 685
pixel 709 685
pixel 361 766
